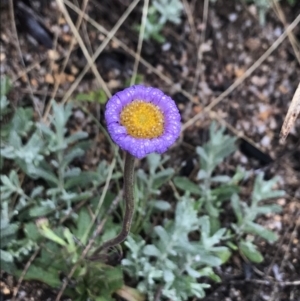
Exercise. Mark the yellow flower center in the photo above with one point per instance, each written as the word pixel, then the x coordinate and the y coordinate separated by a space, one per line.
pixel 142 120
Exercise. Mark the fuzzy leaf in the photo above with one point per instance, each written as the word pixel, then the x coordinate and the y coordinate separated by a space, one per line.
pixel 259 230
pixel 151 250
pixel 250 251
pixel 185 184
pixel 49 276
pixel 161 205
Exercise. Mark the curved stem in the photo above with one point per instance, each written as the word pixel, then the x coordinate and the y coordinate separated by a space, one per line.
pixel 129 207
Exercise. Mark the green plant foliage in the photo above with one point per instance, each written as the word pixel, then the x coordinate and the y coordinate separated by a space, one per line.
pixel 139 79
pixel 147 191
pixel 43 155
pixel 212 190
pixel 93 96
pixel 159 13
pixel 173 262
pixel 50 206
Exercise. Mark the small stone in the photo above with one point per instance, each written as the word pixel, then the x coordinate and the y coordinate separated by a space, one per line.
pixel 2 57
pixel 49 78
pixel 113 84
pixel 34 82
pixel 259 81
pixel 252 44
pixel 277 31
pixel 70 78
pixel 166 47
pixel 232 17
pixel 66 38
pixel 281 202
pixel 74 70
pixel 53 55
pixel 78 114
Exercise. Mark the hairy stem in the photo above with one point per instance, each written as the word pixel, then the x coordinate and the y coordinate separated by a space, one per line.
pixel 129 207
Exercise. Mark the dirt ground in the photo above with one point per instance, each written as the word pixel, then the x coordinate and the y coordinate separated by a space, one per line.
pixel 231 42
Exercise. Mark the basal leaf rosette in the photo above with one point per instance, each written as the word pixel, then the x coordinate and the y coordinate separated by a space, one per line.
pixel 142 120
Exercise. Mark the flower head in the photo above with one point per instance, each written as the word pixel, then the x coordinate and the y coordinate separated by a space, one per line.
pixel 142 120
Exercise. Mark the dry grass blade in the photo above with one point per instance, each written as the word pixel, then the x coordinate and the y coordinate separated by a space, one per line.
pixel 156 71
pixel 291 116
pixel 12 15
pixel 71 46
pixel 200 47
pixel 28 264
pixel 293 40
pixel 190 18
pixel 82 46
pixel 140 43
pixel 110 35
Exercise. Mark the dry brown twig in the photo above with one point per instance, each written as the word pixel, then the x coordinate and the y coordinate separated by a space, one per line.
pixel 101 29
pixel 293 40
pixel 110 35
pixel 291 116
pixel 199 68
pixel 140 42
pixel 71 46
pixel 83 47
pixel 90 60
pixel 190 18
pixel 286 283
pixel 28 264
pixel 15 32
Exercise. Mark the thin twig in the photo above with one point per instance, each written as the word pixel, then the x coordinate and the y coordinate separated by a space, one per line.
pixel 83 47
pixel 267 282
pixel 292 237
pixel 291 36
pixel 156 71
pixel 190 18
pixel 140 42
pixel 110 35
pixel 200 47
pixel 27 70
pixel 291 116
pixel 28 264
pixel 71 46
pixel 12 16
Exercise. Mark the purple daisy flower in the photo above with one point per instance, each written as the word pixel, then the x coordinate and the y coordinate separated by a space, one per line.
pixel 142 120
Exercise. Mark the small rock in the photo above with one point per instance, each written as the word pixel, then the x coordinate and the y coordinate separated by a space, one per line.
pixel 259 81
pixel 232 17
pixel 53 55
pixel 166 47
pixel 252 44
pixel 2 57
pixel 261 128
pixel 78 114
pixel 70 78
pixel 277 31
pixel 229 45
pixel 265 141
pixel 74 70
pixel 49 79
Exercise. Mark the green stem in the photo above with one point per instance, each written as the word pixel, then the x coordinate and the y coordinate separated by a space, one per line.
pixel 129 207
